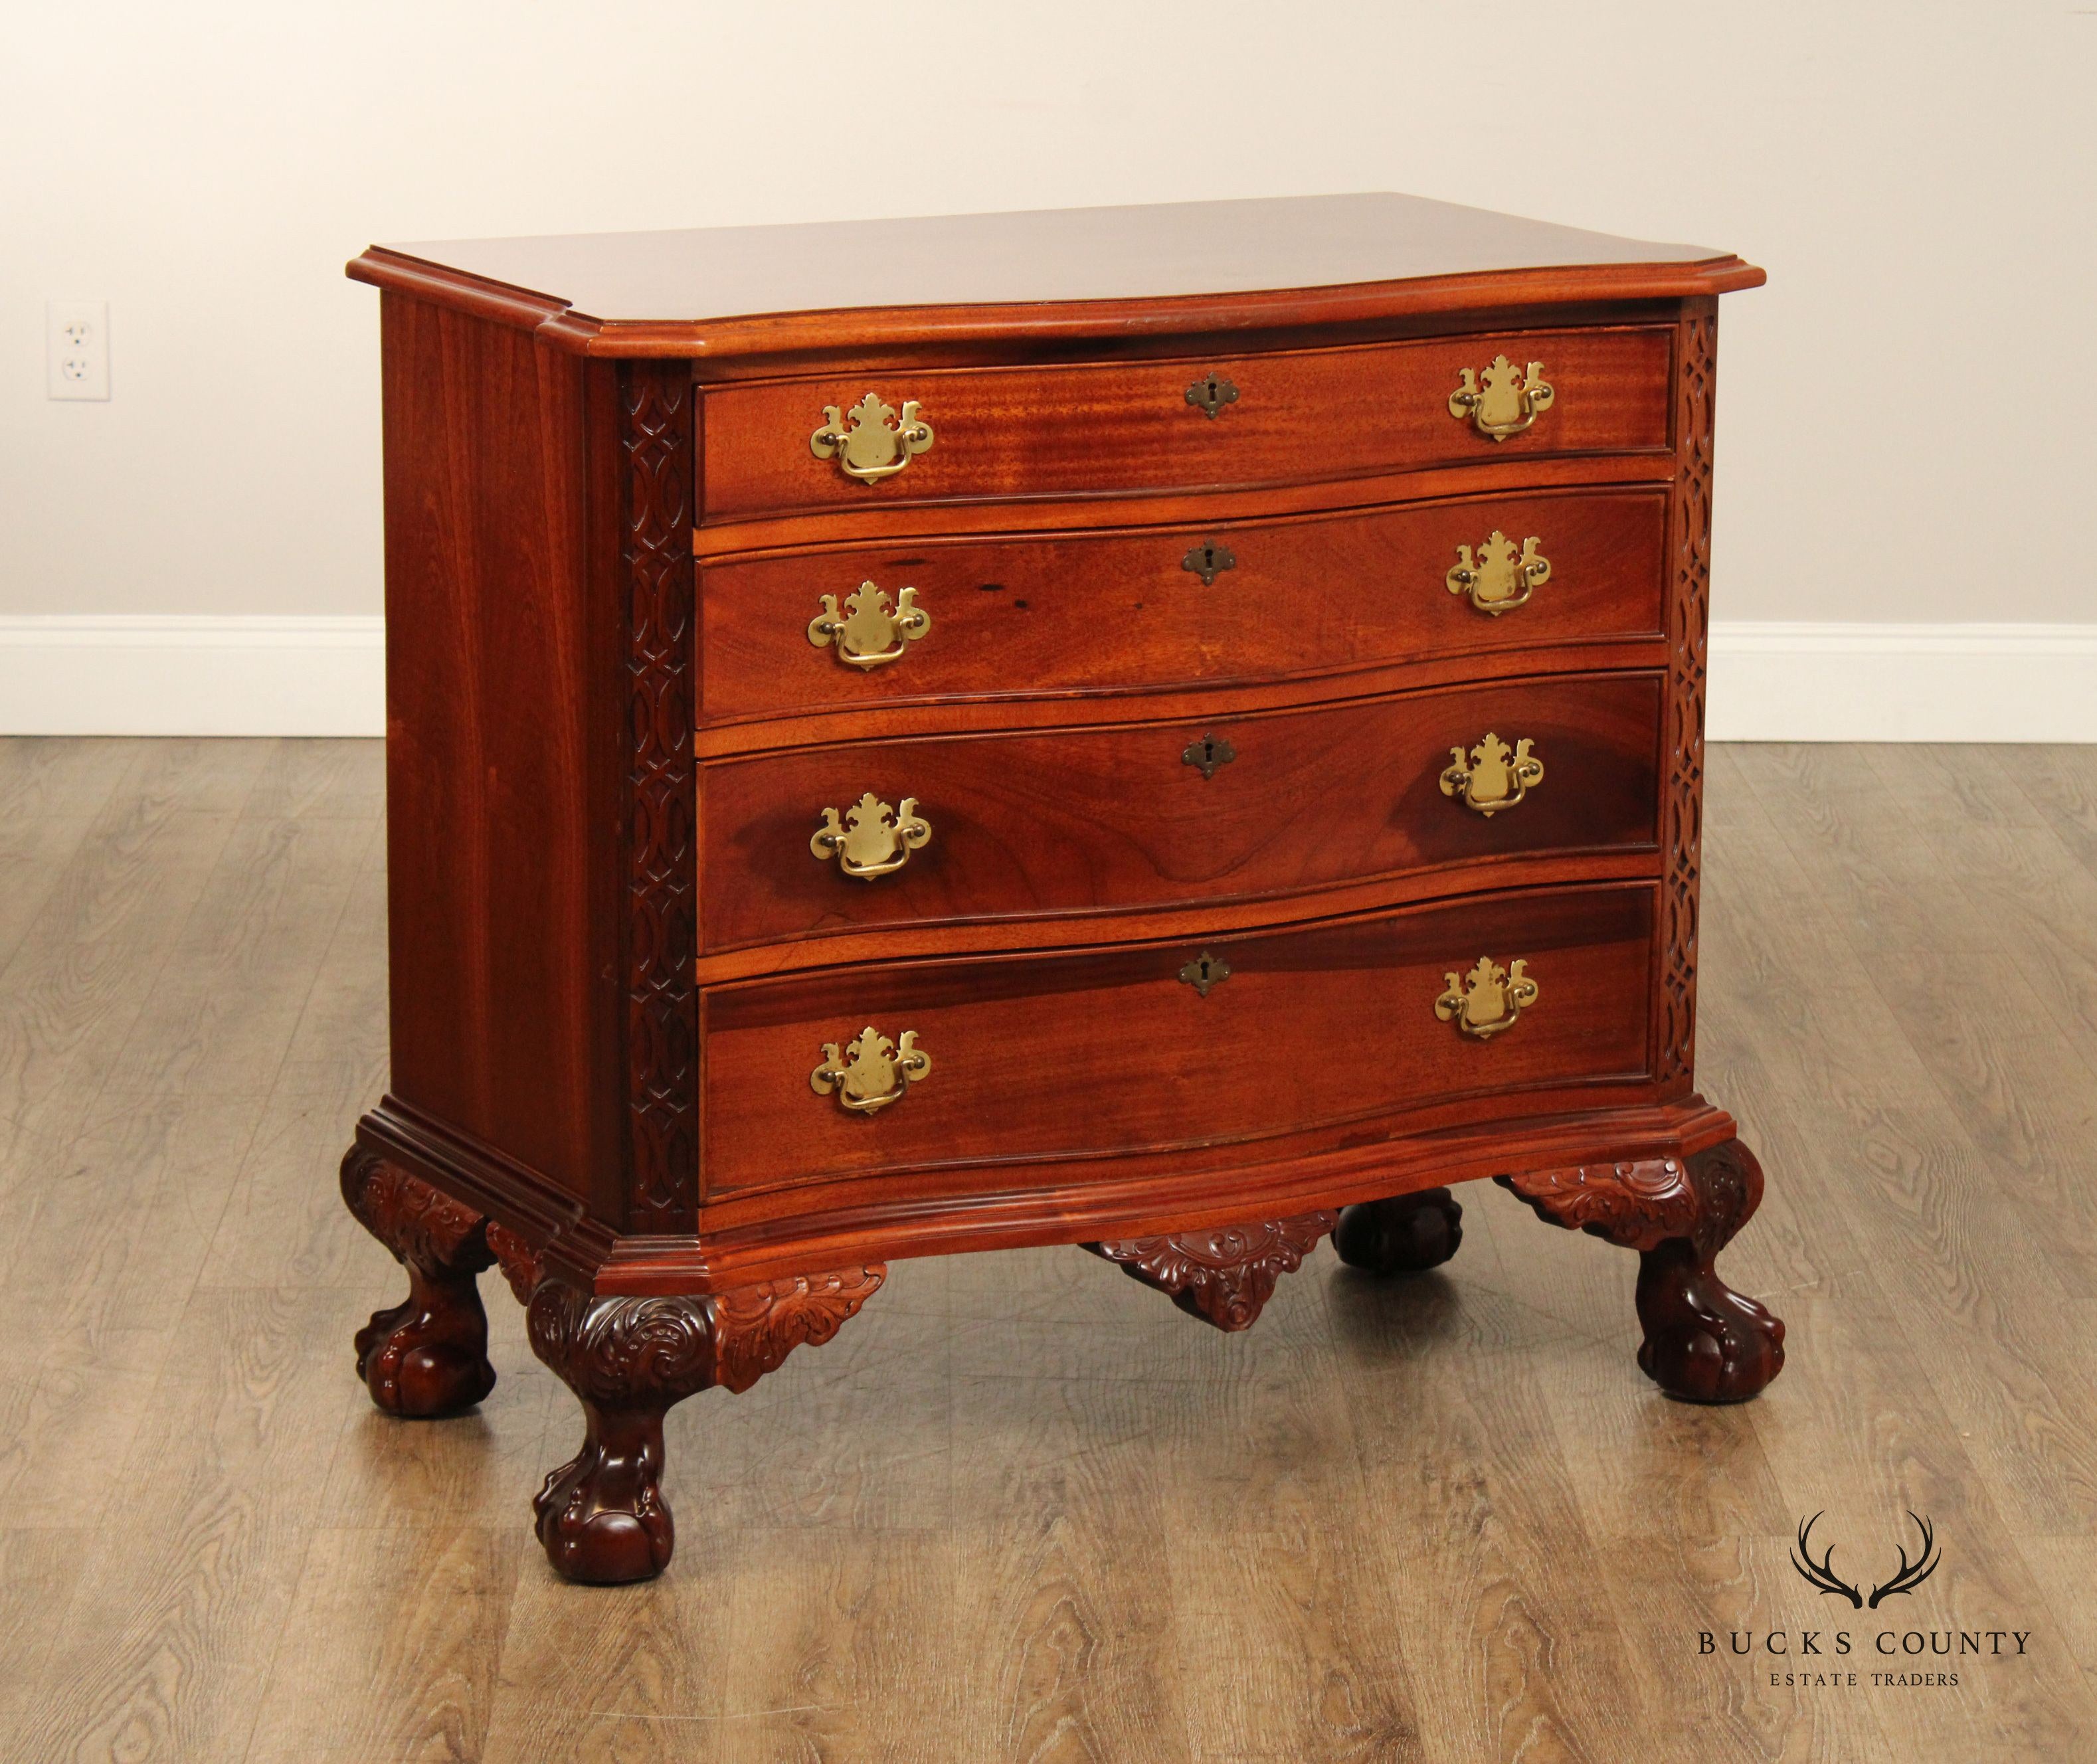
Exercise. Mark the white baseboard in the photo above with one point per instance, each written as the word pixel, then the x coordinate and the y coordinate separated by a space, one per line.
pixel 154 675
pixel 1785 681
pixel 192 675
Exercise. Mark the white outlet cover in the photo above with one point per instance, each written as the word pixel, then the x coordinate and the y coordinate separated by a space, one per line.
pixel 77 349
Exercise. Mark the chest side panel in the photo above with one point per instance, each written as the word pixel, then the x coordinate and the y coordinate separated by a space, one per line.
pixel 497 942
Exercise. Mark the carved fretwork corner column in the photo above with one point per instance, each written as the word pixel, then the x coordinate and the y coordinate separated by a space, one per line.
pixel 1704 1341
pixel 1224 1274
pixel 427 1355
pixel 602 1516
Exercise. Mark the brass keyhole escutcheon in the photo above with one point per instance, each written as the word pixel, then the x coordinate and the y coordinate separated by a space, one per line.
pixel 870 441
pixel 1486 1000
pixel 1206 971
pixel 1211 393
pixel 1209 754
pixel 871 840
pixel 1502 402
pixel 1499 579
pixel 1494 776
pixel 871 633
pixel 1209 560
pixel 869 1072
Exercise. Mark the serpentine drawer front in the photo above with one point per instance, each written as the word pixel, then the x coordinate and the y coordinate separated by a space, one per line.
pixel 1193 423
pixel 1175 731
pixel 1224 601
pixel 1339 1020
pixel 1138 815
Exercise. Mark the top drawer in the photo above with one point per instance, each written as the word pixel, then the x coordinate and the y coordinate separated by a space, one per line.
pixel 1212 422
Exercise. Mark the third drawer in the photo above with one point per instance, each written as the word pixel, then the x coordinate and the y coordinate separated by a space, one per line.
pixel 952 829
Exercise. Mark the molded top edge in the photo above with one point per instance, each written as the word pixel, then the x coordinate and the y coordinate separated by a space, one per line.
pixel 1073 271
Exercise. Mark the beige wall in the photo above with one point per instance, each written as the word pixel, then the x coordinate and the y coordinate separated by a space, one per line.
pixel 1906 423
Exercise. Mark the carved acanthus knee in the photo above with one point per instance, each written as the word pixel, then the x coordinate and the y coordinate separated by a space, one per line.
pixel 1224 1274
pixel 1704 1342
pixel 602 1516
pixel 427 1355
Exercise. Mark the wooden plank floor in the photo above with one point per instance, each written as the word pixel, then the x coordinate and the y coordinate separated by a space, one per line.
pixel 1021 1509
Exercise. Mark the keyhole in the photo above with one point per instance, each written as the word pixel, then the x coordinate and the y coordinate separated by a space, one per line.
pixel 1207 754
pixel 1209 560
pixel 1204 972
pixel 1209 394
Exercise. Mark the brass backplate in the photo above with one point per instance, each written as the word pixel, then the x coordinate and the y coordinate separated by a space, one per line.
pixel 1487 999
pixel 1503 401
pixel 871 631
pixel 869 1072
pixel 1499 579
pixel 871 840
pixel 1494 776
pixel 870 441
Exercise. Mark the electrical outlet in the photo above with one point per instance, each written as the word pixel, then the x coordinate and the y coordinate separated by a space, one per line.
pixel 77 348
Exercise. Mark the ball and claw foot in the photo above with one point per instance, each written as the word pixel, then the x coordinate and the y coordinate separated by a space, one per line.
pixel 1406 1234
pixel 427 1356
pixel 600 1518
pixel 1704 1341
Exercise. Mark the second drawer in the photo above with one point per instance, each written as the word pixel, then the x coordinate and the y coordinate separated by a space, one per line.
pixel 949 828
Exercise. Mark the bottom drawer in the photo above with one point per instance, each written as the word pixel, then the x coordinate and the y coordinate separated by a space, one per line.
pixel 1118 1051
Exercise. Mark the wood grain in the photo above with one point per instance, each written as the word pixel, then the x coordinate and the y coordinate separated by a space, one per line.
pixel 1054 615
pixel 1310 800
pixel 1301 416
pixel 1157 1064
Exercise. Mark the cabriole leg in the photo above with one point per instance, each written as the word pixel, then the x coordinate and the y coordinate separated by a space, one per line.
pixel 1704 1341
pixel 427 1355
pixel 602 1516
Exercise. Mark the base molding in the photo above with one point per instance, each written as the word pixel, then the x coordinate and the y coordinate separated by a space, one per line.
pixel 182 674
pixel 1771 679
pixel 1181 1197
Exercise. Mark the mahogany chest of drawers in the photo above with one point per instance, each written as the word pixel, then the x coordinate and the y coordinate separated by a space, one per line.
pixel 1175 731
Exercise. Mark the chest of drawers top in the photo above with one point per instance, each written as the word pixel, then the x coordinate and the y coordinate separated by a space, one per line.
pixel 882 289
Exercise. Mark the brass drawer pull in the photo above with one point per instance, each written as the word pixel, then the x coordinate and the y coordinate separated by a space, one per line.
pixel 1496 777
pixel 869 441
pixel 872 1071
pixel 1211 393
pixel 1497 580
pixel 874 839
pixel 871 633
pixel 1509 401
pixel 1486 1000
